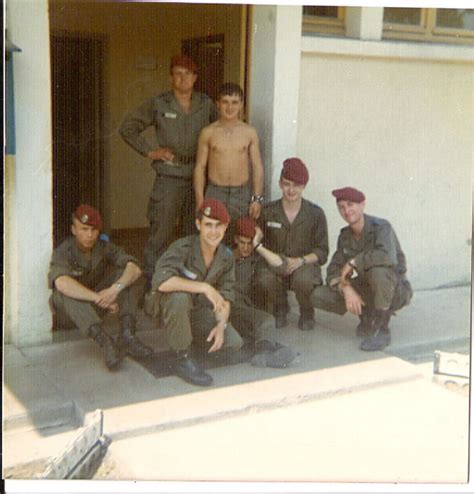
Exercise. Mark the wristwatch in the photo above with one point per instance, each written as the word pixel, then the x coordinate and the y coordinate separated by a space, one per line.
pixel 119 286
pixel 256 198
pixel 352 263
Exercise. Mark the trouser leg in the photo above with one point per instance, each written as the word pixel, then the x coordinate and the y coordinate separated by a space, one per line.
pixel 166 202
pixel 83 314
pixel 379 287
pixel 273 290
pixel 303 282
pixel 253 324
pixel 327 299
pixel 176 318
pixel 203 320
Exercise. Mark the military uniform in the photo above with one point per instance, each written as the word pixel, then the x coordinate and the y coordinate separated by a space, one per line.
pixel 253 324
pixel 105 266
pixel 172 197
pixel 307 234
pixel 380 264
pixel 189 317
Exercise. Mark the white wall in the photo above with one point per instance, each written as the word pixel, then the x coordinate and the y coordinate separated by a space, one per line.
pixel 398 125
pixel 28 225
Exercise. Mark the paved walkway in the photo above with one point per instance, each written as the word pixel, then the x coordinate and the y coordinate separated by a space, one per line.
pixel 49 389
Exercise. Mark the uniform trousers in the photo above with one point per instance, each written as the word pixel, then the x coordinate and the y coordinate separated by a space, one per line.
pixel 381 288
pixel 84 314
pixel 253 324
pixel 274 287
pixel 171 205
pixel 189 319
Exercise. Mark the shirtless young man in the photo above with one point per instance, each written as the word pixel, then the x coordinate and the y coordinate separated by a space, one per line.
pixel 228 154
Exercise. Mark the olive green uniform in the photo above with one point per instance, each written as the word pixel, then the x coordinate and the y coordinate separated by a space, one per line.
pixel 381 267
pixel 105 266
pixel 307 234
pixel 172 198
pixel 185 316
pixel 252 323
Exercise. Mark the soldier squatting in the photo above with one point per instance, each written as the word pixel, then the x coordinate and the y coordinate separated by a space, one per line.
pixel 219 262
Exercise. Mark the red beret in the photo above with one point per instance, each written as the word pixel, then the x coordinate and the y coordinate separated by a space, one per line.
pixel 348 194
pixel 183 61
pixel 214 209
pixel 245 227
pixel 88 215
pixel 295 170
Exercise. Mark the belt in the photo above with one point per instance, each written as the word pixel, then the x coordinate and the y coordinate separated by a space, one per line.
pixel 184 160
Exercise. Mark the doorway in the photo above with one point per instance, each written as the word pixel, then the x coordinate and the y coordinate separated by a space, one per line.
pixel 208 53
pixel 77 76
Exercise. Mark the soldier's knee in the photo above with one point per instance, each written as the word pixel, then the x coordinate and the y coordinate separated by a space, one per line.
pixel 266 280
pixel 380 275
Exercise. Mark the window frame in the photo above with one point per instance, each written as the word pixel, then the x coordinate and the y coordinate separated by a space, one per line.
pixel 427 31
pixel 326 25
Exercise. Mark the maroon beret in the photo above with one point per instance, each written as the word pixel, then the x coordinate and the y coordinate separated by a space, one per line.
pixel 245 227
pixel 348 194
pixel 214 209
pixel 183 61
pixel 295 170
pixel 88 215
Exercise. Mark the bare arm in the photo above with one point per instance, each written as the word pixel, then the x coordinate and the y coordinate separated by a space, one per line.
pixel 200 168
pixel 257 174
pixel 273 259
pixel 71 288
pixel 107 296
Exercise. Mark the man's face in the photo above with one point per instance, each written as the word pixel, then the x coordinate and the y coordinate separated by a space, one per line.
pixel 351 212
pixel 229 106
pixel 86 235
pixel 292 192
pixel 211 231
pixel 182 79
pixel 243 245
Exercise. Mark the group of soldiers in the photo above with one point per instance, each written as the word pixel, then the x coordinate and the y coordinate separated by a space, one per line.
pixel 224 282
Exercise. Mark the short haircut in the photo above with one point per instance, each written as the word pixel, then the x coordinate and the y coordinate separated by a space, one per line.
pixel 229 89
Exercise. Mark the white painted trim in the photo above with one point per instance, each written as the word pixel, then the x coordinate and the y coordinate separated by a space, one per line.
pixel 387 49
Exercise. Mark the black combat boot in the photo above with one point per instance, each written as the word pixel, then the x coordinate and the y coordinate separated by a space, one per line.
pixel 190 371
pixel 306 321
pixel 380 338
pixel 113 355
pixel 268 354
pixel 129 342
pixel 365 326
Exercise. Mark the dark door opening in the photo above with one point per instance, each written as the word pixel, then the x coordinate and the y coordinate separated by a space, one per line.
pixel 78 119
pixel 208 53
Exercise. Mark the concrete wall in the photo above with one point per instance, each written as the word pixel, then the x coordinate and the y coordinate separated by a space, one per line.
pixel 399 126
pixel 132 31
pixel 28 179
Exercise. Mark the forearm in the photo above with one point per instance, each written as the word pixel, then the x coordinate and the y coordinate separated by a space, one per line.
pixel 199 181
pixel 178 284
pixel 311 258
pixel 271 257
pixel 130 274
pixel 73 289
pixel 223 314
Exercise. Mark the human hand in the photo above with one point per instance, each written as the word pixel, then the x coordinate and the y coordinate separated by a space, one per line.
pixel 216 299
pixel 160 153
pixel 255 209
pixel 113 308
pixel 106 297
pixel 257 237
pixel 353 300
pixel 216 334
pixel 293 263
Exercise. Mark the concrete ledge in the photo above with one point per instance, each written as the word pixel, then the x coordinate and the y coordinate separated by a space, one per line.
pixel 179 411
